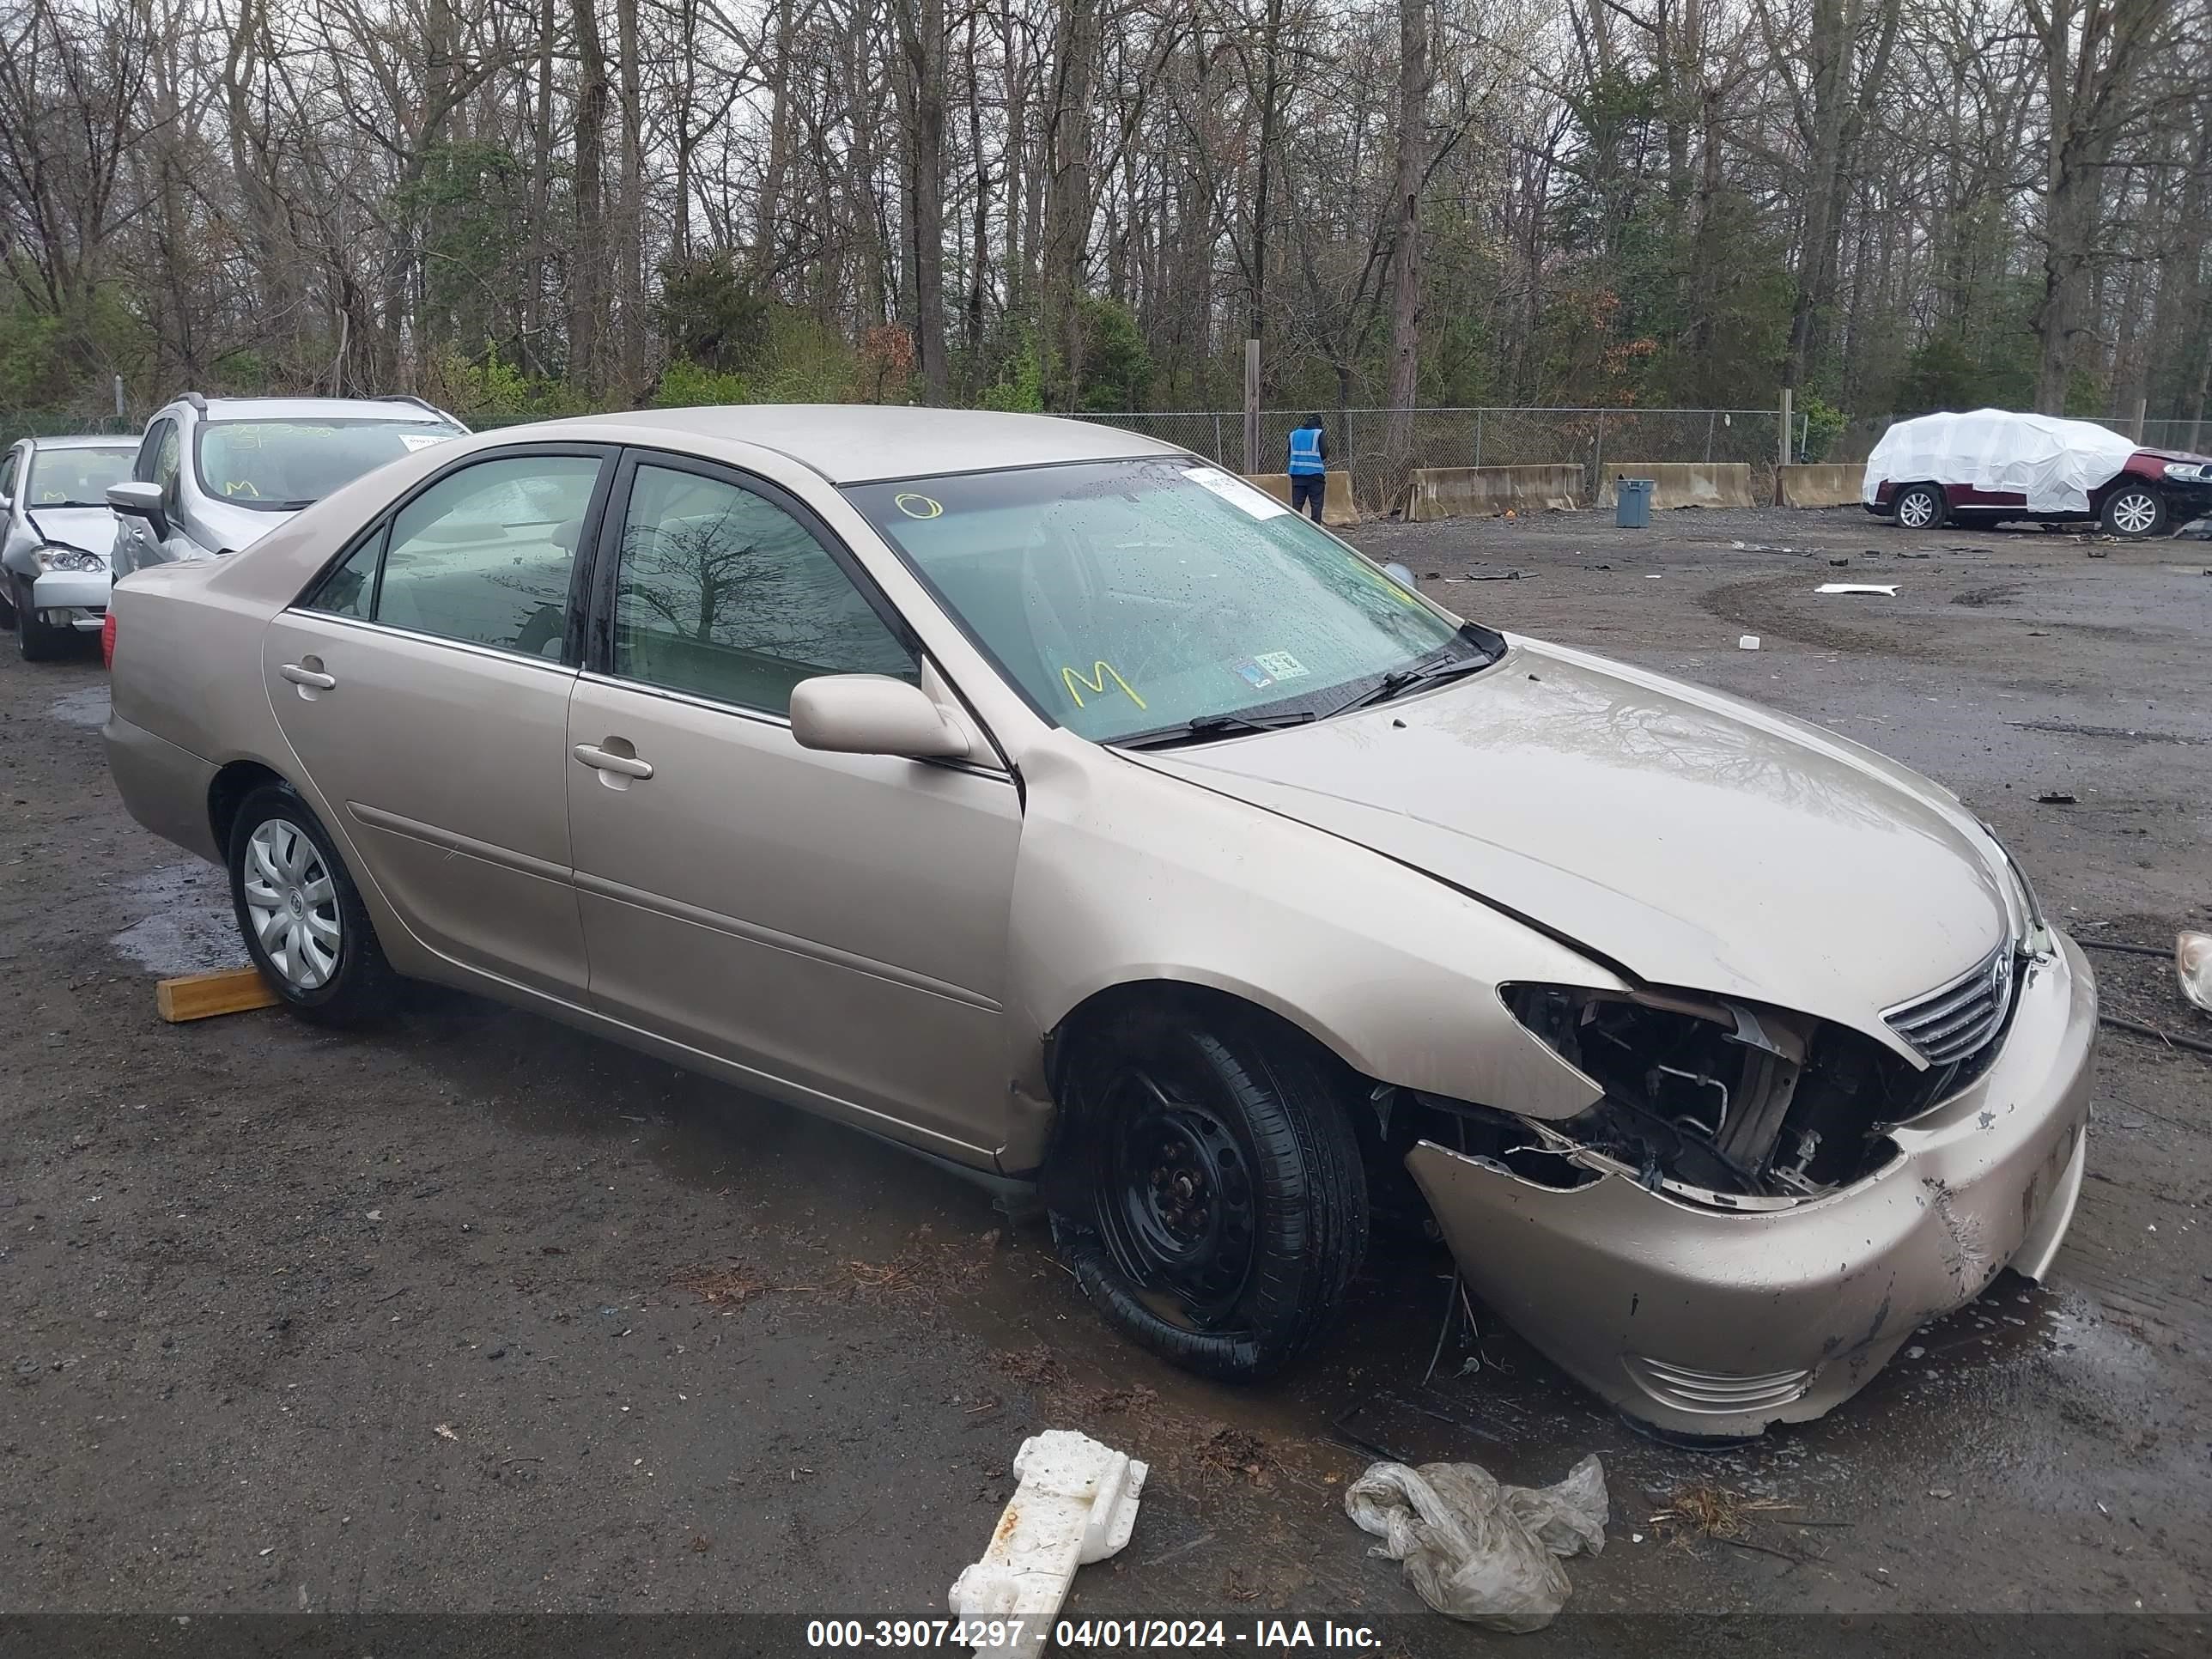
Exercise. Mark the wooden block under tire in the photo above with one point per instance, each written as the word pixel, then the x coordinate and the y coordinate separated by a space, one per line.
pixel 201 996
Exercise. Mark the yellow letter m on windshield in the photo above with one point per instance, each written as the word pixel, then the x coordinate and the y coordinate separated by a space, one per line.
pixel 1100 673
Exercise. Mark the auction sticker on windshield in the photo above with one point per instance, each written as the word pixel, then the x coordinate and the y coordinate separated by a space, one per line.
pixel 1234 490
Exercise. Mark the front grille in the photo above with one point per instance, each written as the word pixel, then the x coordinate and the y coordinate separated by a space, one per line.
pixel 1956 1021
pixel 1717 1393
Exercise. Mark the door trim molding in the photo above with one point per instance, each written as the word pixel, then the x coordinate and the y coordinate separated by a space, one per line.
pixel 431 836
pixel 714 921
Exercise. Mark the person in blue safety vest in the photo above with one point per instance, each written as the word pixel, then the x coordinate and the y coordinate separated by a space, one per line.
pixel 1308 467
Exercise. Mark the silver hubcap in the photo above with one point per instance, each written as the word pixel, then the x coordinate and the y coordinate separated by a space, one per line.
pixel 293 904
pixel 2134 514
pixel 1915 510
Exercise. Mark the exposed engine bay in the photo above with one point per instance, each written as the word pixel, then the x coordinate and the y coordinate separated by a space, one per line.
pixel 1715 1102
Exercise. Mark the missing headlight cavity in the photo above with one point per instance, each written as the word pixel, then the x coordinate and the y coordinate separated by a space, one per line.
pixel 1736 1103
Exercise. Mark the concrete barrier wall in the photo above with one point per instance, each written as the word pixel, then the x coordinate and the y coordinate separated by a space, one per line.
pixel 1828 484
pixel 1336 507
pixel 1454 492
pixel 1683 483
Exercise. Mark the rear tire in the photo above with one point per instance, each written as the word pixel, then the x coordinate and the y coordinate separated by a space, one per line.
pixel 1919 506
pixel 37 640
pixel 1208 1192
pixel 300 915
pixel 2135 513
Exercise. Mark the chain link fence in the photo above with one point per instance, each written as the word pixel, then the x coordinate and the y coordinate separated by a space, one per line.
pixel 1358 439
pixel 2190 435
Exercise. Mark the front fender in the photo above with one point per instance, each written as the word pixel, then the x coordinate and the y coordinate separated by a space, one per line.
pixel 1127 876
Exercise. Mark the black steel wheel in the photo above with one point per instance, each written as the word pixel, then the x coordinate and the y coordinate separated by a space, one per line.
pixel 1207 1191
pixel 37 640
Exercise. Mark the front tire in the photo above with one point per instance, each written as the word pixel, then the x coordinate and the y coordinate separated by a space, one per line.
pixel 300 915
pixel 2135 513
pixel 1918 506
pixel 1208 1194
pixel 37 640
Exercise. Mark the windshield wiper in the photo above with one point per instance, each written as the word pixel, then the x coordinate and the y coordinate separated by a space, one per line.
pixel 1208 726
pixel 1399 681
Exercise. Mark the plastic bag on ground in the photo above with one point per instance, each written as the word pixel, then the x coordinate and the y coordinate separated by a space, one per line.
pixel 1476 1550
pixel 2193 966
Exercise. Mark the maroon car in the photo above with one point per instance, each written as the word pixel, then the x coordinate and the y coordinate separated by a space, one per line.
pixel 1992 467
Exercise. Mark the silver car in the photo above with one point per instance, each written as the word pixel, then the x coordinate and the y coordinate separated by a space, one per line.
pixel 55 534
pixel 213 475
pixel 1045 799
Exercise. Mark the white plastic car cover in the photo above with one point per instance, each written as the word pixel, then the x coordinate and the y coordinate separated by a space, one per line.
pixel 1477 1550
pixel 2054 462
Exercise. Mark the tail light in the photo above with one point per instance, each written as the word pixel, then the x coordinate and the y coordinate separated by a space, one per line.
pixel 107 638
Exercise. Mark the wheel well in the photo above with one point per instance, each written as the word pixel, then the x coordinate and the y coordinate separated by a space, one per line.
pixel 1171 996
pixel 1392 1193
pixel 227 792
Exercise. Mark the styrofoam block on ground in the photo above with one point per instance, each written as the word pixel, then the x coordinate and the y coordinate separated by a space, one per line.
pixel 1075 1503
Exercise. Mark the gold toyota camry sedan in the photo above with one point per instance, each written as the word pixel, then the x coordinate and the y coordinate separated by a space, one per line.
pixel 1046 799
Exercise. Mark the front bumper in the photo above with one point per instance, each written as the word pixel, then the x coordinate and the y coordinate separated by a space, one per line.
pixel 1717 1323
pixel 82 594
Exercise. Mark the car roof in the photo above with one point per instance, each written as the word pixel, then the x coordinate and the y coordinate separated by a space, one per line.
pixel 315 408
pixel 869 443
pixel 90 440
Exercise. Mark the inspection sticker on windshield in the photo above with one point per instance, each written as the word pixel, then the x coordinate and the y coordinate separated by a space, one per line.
pixel 1282 664
pixel 424 440
pixel 1235 491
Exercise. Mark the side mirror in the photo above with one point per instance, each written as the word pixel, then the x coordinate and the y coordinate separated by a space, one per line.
pixel 140 500
pixel 872 715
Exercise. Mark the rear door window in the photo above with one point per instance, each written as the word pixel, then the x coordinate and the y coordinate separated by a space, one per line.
pixel 484 556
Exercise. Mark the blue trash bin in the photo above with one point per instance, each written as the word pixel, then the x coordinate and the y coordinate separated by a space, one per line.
pixel 1632 503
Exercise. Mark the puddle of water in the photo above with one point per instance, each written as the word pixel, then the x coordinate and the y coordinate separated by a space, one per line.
pixel 86 706
pixel 187 926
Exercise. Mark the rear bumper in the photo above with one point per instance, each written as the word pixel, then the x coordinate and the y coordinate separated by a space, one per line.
pixel 163 786
pixel 83 593
pixel 1714 1322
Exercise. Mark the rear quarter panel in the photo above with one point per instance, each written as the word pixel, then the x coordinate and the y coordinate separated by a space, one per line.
pixel 188 665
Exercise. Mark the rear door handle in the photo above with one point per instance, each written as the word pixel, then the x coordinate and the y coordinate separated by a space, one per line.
pixel 603 760
pixel 302 676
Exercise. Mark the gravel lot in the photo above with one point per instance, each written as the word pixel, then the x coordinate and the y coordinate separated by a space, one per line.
pixel 475 1314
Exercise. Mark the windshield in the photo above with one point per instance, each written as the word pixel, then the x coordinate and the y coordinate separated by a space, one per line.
pixel 75 478
pixel 284 465
pixel 1133 596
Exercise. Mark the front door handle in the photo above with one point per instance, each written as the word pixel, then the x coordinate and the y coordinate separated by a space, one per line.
pixel 604 760
pixel 299 674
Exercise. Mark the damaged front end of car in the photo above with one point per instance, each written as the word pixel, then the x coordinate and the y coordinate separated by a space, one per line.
pixel 1761 1205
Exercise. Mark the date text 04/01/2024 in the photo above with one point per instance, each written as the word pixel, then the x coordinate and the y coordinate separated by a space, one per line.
pixel 1258 1635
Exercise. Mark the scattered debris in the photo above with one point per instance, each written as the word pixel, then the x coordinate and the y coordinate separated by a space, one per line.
pixel 1076 1503
pixel 1840 563
pixel 1034 1367
pixel 1748 642
pixel 1476 1550
pixel 1491 576
pixel 2055 797
pixel 1888 590
pixel 1235 1453
pixel 444 1432
pixel 2193 966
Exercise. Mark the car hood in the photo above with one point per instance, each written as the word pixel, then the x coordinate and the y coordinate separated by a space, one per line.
pixel 237 527
pixel 1696 840
pixel 2189 455
pixel 91 528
